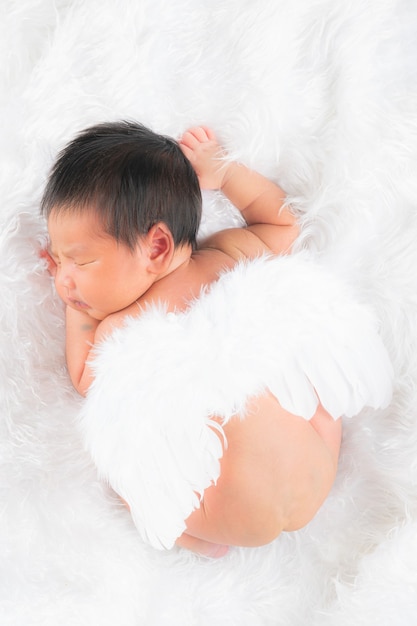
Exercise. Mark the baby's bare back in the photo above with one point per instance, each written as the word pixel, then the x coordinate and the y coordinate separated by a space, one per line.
pixel 179 288
pixel 218 253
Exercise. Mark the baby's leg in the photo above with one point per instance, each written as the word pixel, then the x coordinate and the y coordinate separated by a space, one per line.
pixel 202 547
pixel 275 473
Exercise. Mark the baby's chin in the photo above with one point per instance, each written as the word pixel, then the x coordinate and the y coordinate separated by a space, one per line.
pixel 93 313
pixel 97 315
pixel 101 315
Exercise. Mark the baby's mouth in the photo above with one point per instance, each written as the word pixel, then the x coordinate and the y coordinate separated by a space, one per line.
pixel 78 304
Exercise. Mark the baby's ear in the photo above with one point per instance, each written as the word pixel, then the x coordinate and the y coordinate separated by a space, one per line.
pixel 160 244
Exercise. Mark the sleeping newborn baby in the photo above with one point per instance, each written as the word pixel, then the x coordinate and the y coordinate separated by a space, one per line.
pixel 123 206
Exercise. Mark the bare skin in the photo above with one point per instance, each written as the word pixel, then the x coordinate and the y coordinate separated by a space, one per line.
pixel 277 468
pixel 274 477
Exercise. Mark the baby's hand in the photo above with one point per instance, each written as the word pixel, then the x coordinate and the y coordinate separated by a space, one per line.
pixel 202 149
pixel 51 265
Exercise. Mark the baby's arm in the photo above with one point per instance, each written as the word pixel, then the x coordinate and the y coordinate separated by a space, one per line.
pixel 261 201
pixel 80 336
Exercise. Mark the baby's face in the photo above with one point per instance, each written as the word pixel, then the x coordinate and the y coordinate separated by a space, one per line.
pixel 95 273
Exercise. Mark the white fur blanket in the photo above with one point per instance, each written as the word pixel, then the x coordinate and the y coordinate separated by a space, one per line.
pixel 320 96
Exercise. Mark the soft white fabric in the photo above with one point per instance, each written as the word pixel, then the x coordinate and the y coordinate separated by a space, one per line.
pixel 282 324
pixel 319 95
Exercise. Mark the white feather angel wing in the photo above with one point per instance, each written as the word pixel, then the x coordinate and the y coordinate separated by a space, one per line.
pixel 280 323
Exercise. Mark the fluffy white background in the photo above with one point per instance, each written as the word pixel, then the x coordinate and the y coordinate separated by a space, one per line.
pixel 318 94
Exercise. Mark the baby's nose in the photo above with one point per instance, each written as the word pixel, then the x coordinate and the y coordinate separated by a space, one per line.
pixel 64 279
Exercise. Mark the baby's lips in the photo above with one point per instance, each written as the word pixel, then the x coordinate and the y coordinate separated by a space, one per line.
pixel 79 304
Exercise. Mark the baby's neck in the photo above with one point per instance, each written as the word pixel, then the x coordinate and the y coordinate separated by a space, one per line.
pixel 180 258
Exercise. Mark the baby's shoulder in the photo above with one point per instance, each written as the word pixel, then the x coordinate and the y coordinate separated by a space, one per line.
pixel 115 320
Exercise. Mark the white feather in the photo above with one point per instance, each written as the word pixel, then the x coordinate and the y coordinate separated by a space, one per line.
pixel 280 323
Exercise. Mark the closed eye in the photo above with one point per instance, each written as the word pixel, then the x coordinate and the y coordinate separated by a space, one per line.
pixel 54 257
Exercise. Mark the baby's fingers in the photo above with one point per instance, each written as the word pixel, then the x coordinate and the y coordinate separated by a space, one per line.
pixel 188 152
pixel 197 135
pixel 189 140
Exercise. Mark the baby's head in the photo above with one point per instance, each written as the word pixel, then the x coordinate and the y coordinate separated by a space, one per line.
pixel 132 178
pixel 120 200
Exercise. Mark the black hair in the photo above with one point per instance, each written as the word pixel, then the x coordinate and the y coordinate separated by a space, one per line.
pixel 131 177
